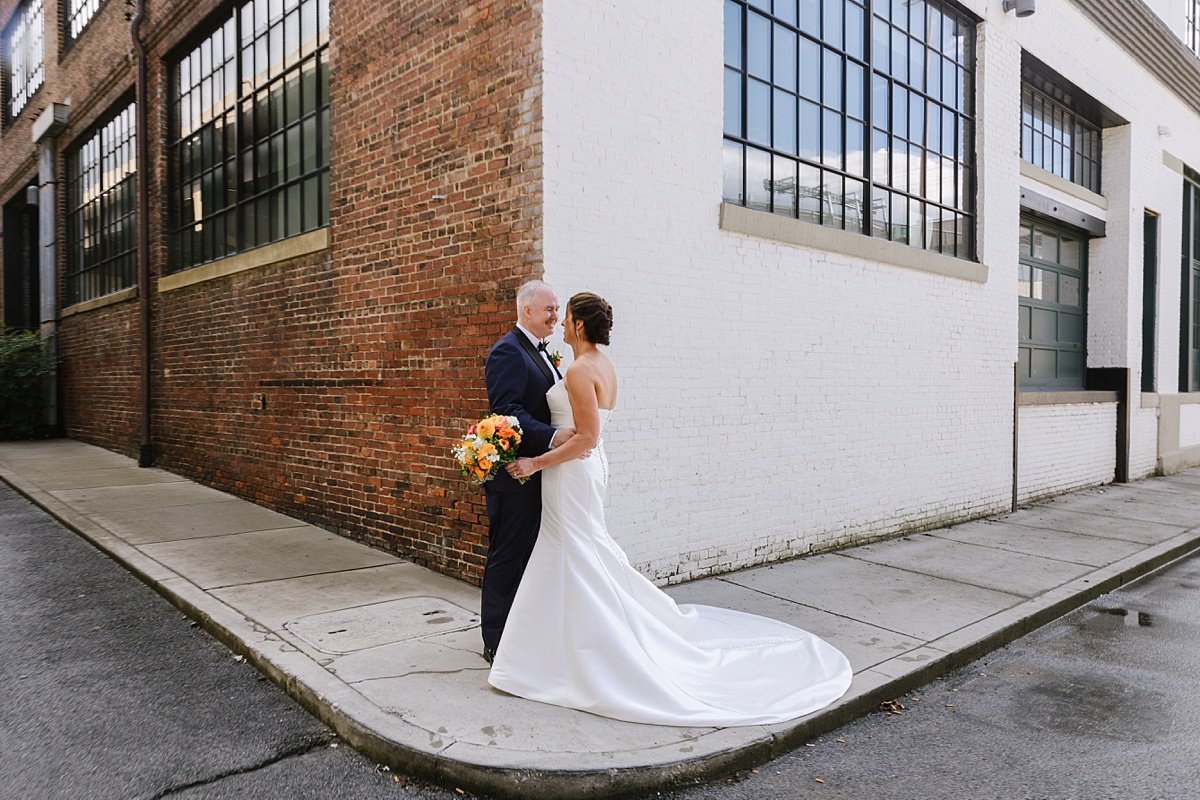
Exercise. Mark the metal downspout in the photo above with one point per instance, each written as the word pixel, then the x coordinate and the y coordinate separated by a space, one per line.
pixel 145 448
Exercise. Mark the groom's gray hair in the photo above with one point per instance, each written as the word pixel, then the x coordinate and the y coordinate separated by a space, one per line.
pixel 527 291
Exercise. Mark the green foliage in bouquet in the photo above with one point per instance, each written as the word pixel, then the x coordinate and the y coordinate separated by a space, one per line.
pixel 24 362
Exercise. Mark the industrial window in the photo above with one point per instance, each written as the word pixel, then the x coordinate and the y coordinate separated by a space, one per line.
pixel 1189 316
pixel 1193 25
pixel 78 14
pixel 102 210
pixel 1056 138
pixel 854 114
pixel 1052 305
pixel 249 147
pixel 23 67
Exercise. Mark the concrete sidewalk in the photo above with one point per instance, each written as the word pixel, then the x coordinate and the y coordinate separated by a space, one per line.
pixel 387 653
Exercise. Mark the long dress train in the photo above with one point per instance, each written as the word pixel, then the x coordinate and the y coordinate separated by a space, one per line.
pixel 587 631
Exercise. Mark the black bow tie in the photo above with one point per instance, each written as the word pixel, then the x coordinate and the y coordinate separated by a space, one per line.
pixel 542 346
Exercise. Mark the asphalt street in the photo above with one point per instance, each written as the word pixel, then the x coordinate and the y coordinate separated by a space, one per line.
pixel 110 692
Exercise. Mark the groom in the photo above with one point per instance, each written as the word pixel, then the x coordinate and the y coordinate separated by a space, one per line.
pixel 518 374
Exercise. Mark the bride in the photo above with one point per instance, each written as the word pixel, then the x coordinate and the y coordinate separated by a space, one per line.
pixel 588 631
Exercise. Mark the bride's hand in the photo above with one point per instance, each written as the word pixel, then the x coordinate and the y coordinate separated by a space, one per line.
pixel 522 468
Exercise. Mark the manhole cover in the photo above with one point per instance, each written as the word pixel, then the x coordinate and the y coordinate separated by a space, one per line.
pixel 378 624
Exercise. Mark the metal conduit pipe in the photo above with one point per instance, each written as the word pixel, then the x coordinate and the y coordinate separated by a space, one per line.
pixel 145 448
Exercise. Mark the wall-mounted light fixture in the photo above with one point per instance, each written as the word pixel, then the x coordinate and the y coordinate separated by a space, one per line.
pixel 1024 8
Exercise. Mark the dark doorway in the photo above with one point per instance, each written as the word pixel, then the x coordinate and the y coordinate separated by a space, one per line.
pixel 21 285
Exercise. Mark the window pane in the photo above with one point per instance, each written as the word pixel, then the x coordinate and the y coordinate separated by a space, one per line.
pixel 810 130
pixel 786 11
pixel 732 192
pixel 1045 246
pixel 854 207
pixel 810 16
pixel 783 187
pixel 758 179
pixel 833 200
pixel 831 139
pixel 855 30
pixel 1068 254
pixel 1043 364
pixel 785 122
pixel 855 155
pixel 733 103
pixel 1070 328
pixel 809 194
pixel 758 46
pixel 758 112
pixel 831 20
pixel 786 43
pixel 831 80
pixel 810 69
pixel 1068 290
pixel 855 90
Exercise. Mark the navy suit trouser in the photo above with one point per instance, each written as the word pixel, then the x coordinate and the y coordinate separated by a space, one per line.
pixel 513 522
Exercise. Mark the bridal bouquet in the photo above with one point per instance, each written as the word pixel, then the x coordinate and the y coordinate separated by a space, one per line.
pixel 488 445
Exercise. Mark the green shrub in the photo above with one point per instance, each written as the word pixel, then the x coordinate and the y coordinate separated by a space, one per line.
pixel 24 362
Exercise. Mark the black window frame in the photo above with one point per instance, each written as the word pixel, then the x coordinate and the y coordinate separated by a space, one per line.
pixel 33 81
pixel 101 241
pixel 1057 137
pixel 818 182
pixel 1189 294
pixel 239 139
pixel 1193 26
pixel 68 16
pixel 1035 307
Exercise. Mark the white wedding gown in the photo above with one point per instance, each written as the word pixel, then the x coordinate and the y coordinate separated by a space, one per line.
pixel 587 631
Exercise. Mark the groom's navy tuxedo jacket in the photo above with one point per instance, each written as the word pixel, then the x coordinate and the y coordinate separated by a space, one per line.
pixel 517 379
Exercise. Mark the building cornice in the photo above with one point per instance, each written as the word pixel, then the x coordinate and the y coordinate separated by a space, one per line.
pixel 1143 34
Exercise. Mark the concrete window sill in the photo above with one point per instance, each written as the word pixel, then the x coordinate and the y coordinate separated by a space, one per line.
pixel 295 247
pixel 1066 398
pixel 759 224
pixel 99 302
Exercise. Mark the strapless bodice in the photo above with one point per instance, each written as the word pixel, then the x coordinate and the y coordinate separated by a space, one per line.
pixel 560 408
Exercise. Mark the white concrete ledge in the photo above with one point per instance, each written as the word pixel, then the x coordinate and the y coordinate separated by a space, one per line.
pixel 293 247
pixel 1048 179
pixel 747 221
pixel 1066 398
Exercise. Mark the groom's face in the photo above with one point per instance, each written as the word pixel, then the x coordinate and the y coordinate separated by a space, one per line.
pixel 541 313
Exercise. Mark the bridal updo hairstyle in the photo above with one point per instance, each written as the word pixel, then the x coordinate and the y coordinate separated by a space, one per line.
pixel 595 314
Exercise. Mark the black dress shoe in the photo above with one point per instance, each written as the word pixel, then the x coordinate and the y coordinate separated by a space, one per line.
pixel 489 654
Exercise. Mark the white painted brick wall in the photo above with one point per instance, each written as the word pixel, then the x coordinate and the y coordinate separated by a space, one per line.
pixel 1143 442
pixel 1065 447
pixel 1189 426
pixel 776 399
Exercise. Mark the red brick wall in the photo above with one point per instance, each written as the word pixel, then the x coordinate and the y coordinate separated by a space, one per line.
pixel 436 219
pixel 99 376
pixel 370 354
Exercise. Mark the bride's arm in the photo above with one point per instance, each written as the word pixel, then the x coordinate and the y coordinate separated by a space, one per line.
pixel 585 408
